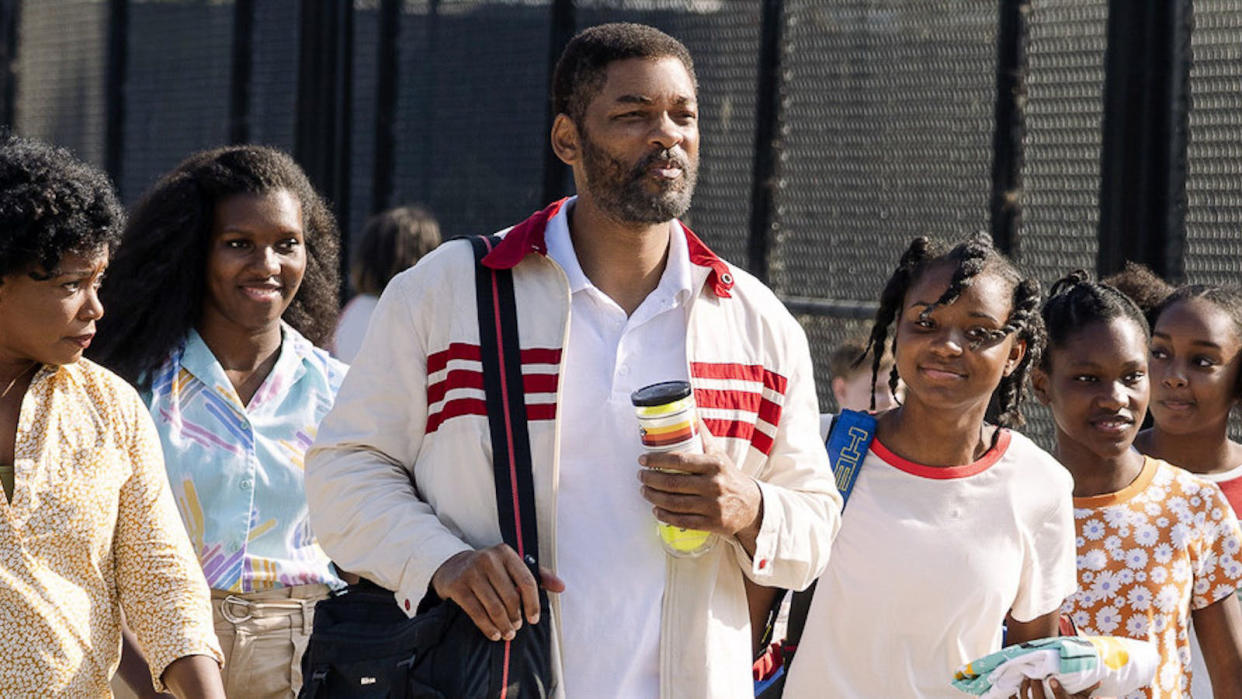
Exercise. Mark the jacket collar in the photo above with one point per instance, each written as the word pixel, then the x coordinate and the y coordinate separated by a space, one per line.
pixel 528 236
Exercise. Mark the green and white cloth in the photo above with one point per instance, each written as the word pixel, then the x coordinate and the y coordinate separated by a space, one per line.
pixel 1120 665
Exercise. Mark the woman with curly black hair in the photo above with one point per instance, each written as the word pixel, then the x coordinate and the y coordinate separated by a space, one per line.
pixel 954 524
pixel 87 523
pixel 225 281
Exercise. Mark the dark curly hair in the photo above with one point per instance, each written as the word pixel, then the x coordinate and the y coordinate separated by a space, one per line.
pixel 583 65
pixel 155 288
pixel 1076 302
pixel 51 205
pixel 1143 287
pixel 969 258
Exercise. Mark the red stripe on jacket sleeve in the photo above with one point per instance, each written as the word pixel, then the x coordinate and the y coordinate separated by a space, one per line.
pixel 458 350
pixel 455 408
pixel 472 378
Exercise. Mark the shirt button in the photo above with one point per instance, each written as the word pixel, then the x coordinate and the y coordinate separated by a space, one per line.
pixel 246 484
pixel 623 370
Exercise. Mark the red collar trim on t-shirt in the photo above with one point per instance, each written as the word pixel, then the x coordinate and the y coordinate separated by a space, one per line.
pixel 945 472
pixel 528 236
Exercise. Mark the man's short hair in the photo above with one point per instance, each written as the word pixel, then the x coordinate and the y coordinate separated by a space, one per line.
pixel 843 362
pixel 582 67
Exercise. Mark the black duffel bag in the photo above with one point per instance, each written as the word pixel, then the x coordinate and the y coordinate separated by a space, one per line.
pixel 362 643
pixel 364 646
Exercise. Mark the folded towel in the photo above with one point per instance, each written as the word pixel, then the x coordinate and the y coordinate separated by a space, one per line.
pixel 1120 665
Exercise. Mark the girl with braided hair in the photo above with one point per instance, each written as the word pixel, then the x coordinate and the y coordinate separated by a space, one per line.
pixel 955 524
pixel 1157 546
pixel 1196 380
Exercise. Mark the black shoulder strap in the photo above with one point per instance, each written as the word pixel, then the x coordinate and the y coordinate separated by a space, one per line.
pixel 506 404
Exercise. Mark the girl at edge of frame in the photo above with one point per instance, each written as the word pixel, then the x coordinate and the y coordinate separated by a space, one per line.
pixel 226 275
pixel 954 525
pixel 1196 380
pixel 1157 546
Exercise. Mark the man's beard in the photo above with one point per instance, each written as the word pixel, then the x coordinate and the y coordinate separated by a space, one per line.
pixel 621 192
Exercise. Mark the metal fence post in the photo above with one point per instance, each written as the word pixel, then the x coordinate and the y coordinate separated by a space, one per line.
pixel 386 104
pixel 765 173
pixel 10 19
pixel 242 69
pixel 555 172
pixel 114 129
pixel 321 142
pixel 1143 159
pixel 1011 66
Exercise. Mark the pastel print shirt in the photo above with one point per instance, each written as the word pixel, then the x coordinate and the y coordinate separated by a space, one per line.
pixel 1148 554
pixel 236 470
pixel 91 529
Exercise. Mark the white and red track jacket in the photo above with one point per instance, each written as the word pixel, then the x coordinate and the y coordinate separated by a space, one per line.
pixel 413 404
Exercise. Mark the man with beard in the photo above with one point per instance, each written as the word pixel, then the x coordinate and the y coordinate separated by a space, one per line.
pixel 613 294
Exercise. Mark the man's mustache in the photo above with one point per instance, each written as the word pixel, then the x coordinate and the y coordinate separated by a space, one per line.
pixel 675 157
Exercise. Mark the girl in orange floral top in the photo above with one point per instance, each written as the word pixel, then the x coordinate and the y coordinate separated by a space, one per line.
pixel 1157 546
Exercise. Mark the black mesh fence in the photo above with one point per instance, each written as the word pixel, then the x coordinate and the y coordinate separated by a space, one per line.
pixel 886 113
pixel 365 77
pixel 471 111
pixel 1061 175
pixel 61 66
pixel 176 86
pixel 273 93
pixel 1214 154
pixel 888 122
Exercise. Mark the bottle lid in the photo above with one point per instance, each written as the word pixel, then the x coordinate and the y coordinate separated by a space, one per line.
pixel 660 393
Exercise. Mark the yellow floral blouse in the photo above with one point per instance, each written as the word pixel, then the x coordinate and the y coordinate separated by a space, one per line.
pixel 92 529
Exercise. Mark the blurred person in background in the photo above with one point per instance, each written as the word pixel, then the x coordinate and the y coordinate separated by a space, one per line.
pixel 852 385
pixel 390 242
pixel 225 282
pixel 88 527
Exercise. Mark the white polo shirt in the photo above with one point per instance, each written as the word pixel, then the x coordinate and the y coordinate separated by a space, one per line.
pixel 608 551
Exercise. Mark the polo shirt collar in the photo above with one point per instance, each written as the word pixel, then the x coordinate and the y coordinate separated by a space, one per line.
pixel 677 278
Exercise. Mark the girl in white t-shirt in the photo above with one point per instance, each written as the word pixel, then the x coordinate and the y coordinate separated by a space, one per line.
pixel 1156 545
pixel 954 525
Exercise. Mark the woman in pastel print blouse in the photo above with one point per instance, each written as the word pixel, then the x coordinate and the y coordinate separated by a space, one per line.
pixel 225 282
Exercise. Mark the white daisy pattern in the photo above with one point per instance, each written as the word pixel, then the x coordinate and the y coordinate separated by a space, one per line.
pixel 1148 555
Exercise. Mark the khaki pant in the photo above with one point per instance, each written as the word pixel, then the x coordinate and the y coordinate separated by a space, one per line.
pixel 263 636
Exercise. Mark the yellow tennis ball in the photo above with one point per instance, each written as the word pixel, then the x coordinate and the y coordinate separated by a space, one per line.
pixel 683 540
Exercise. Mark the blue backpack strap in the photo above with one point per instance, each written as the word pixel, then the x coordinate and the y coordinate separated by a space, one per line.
pixel 849 438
